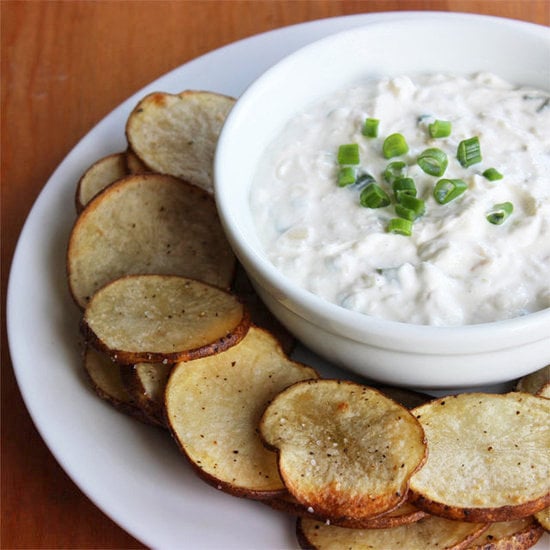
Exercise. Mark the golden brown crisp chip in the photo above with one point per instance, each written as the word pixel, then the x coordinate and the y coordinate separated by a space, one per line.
pixel 519 534
pixel 147 223
pixel 177 134
pixel 345 451
pixel 105 379
pixel 429 533
pixel 488 457
pixel 162 318
pixel 146 383
pixel 537 383
pixel 543 517
pixel 403 514
pixel 213 406
pixel 98 176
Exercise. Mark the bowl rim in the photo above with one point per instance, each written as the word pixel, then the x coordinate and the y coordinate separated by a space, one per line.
pixel 335 318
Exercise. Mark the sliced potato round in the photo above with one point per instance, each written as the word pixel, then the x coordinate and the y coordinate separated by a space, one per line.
pixel 429 533
pixel 147 223
pixel 177 134
pixel 162 318
pixel 345 450
pixel 105 378
pixel 98 176
pixel 213 406
pixel 519 534
pixel 146 383
pixel 537 383
pixel 403 514
pixel 488 457
pixel 543 518
pixel 134 164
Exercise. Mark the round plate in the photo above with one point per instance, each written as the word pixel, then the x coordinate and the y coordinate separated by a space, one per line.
pixel 133 472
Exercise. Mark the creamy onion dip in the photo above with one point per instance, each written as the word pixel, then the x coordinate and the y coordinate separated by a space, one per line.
pixel 455 268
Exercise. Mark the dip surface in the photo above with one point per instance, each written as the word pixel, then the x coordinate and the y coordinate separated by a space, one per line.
pixel 456 268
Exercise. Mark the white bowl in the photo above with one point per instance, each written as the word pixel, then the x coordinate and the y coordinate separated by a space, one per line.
pixel 387 351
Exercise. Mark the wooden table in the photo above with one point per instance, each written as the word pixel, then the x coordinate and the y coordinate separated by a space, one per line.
pixel 65 65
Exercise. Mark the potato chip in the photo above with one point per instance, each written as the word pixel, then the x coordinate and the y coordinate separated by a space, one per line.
pixel 146 382
pixel 213 406
pixel 156 318
pixel 176 134
pixel 105 379
pixel 488 459
pixel 537 383
pixel 99 175
pixel 345 451
pixel 147 223
pixel 429 533
pixel 543 518
pixel 519 534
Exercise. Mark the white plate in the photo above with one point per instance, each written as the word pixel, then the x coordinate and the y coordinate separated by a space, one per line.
pixel 134 473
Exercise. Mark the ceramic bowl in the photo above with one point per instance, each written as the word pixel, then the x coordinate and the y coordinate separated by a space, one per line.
pixel 386 351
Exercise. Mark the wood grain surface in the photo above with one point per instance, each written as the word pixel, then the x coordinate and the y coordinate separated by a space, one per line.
pixel 66 65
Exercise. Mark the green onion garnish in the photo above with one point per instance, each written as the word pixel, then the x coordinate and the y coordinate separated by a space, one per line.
pixel 433 161
pixel 492 174
pixel 446 190
pixel 440 129
pixel 405 186
pixel 406 213
pixel 394 145
pixel 394 170
pixel 364 179
pixel 348 153
pixel 370 128
pixel 469 152
pixel 346 176
pixel 418 206
pixel 373 196
pixel 401 226
pixel 500 212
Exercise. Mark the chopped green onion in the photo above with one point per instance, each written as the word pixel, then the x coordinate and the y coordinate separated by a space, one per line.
pixel 446 190
pixel 346 176
pixel 433 161
pixel 373 196
pixel 394 145
pixel 364 179
pixel 500 212
pixel 394 170
pixel 370 128
pixel 404 185
pixel 469 152
pixel 418 206
pixel 440 129
pixel 406 213
pixel 348 153
pixel 401 226
pixel 492 174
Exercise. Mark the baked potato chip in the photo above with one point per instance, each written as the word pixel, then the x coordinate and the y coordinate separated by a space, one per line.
pixel 519 534
pixel 147 223
pixel 177 134
pixel 213 406
pixel 162 318
pixel 345 451
pixel 543 518
pixel 429 532
pixel 98 176
pixel 134 164
pixel 489 457
pixel 105 379
pixel 146 382
pixel 537 383
pixel 403 514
